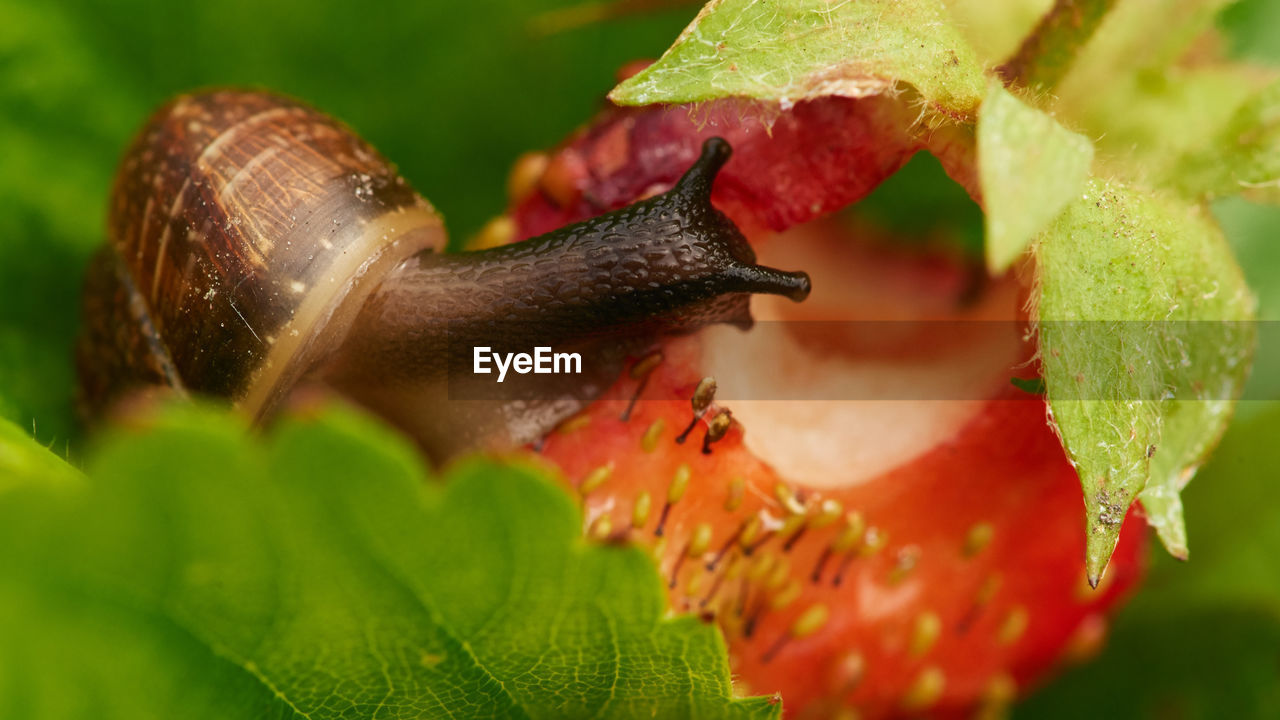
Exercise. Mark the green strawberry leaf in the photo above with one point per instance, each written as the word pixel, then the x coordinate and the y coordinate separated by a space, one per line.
pixel 1145 341
pixel 1249 30
pixel 1243 156
pixel 1134 39
pixel 1194 124
pixel 24 462
pixel 1200 132
pixel 787 51
pixel 1236 520
pixel 1029 167
pixel 1220 612
pixel 996 28
pixel 1186 663
pixel 203 573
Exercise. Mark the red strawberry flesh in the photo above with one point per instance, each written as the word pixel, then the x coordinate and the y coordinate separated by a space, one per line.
pixel 927 555
pixel 778 176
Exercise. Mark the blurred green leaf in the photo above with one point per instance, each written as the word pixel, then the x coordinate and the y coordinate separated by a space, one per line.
pixel 1235 515
pixel 1252 230
pixel 793 50
pixel 1253 29
pixel 995 28
pixel 1200 639
pixel 24 462
pixel 1029 167
pixel 1167 113
pixel 1141 306
pixel 1189 665
pixel 1190 130
pixel 1243 156
pixel 953 218
pixel 1126 45
pixel 1188 432
pixel 206 574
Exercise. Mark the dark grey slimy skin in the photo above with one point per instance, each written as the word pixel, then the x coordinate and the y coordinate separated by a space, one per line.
pixel 607 288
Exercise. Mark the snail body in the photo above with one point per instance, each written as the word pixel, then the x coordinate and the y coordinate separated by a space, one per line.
pixel 255 243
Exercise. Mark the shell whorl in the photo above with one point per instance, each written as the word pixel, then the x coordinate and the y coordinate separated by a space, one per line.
pixel 250 227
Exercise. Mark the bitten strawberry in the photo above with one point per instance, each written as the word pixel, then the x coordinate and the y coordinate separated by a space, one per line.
pixel 952 579
pixel 879 556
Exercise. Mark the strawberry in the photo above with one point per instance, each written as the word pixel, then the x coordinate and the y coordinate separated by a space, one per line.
pixel 883 557
pixel 777 178
pixel 940 581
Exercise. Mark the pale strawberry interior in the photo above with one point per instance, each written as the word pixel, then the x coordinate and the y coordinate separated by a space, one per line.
pixel 858 400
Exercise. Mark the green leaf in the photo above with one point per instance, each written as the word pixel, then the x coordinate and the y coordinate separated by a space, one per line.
pixel 1135 38
pixel 1173 128
pixel 1031 386
pixel 995 28
pixel 1252 28
pixel 1189 664
pixel 1198 640
pixel 895 206
pixel 1189 430
pixel 1144 339
pixel 1235 516
pixel 1243 156
pixel 1251 228
pixel 792 50
pixel 24 462
pixel 1029 167
pixel 204 573
pixel 1193 124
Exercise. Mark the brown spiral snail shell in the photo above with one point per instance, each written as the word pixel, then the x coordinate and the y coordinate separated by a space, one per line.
pixel 255 243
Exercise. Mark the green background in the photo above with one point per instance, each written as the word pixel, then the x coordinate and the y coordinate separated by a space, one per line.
pixel 452 92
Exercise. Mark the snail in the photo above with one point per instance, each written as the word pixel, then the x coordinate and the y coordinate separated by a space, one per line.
pixel 256 244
